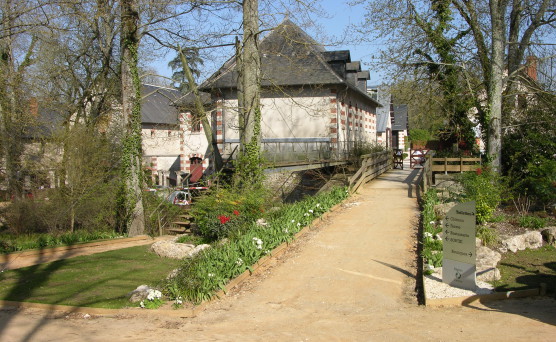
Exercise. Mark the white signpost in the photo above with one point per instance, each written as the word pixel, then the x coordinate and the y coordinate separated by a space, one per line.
pixel 459 258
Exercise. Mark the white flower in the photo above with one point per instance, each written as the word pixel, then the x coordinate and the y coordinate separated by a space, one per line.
pixel 311 211
pixel 286 231
pixel 306 214
pixel 427 235
pixel 438 237
pixel 293 221
pixel 210 275
pixel 258 242
pixel 298 224
pixel 318 205
pixel 266 251
pixel 142 304
pixel 239 262
pixel 431 222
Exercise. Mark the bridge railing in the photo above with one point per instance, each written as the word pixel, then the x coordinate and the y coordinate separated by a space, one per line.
pixel 372 166
pixel 288 151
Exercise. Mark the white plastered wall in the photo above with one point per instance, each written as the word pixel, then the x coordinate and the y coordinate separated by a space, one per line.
pixel 304 115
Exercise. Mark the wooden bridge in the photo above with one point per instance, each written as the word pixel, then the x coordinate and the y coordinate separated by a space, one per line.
pixel 297 154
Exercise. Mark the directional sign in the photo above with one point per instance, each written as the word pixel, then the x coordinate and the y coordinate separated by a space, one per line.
pixel 459 233
pixel 458 265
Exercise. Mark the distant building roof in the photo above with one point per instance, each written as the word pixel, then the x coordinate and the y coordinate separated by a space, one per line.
pixel 187 102
pixel 290 57
pixel 158 105
pixel 382 96
pixel 47 122
pixel 400 118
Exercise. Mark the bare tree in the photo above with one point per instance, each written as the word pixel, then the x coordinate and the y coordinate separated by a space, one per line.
pixel 489 40
pixel 18 24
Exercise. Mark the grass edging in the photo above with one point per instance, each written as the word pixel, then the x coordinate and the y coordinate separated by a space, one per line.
pixel 36 252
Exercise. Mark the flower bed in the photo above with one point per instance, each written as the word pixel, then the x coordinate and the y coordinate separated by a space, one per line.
pixel 201 277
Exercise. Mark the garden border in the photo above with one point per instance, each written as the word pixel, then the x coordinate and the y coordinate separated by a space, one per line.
pixel 6 259
pixel 184 312
pixel 465 300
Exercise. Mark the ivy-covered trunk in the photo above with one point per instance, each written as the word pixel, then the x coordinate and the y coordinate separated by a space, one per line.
pixel 496 86
pixel 249 97
pixel 131 217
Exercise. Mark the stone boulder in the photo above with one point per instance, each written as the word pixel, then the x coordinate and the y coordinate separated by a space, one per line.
pixel 549 235
pixel 171 249
pixel 516 243
pixel 175 250
pixel 198 248
pixel 441 210
pixel 487 259
pixel 139 294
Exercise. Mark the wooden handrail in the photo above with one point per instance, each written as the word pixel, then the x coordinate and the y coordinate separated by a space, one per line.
pixel 372 166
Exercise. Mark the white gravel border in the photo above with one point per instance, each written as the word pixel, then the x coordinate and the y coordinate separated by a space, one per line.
pixel 436 289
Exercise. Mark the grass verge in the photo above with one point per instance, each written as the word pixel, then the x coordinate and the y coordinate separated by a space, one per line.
pixel 13 243
pixel 528 269
pixel 99 280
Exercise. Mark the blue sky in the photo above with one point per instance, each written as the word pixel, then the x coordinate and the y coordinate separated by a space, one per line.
pixel 331 28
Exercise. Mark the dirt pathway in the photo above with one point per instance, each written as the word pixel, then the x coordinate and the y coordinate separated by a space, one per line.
pixel 351 279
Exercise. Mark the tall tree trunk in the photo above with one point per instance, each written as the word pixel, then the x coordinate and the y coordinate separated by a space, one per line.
pixel 250 112
pixel 11 123
pixel 496 86
pixel 132 217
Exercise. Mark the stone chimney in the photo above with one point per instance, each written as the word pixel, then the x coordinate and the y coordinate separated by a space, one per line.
pixel 531 67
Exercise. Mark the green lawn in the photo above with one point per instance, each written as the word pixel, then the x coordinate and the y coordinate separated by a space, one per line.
pixel 99 280
pixel 527 269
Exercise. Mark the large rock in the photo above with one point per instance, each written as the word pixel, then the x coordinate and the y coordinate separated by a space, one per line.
pixel 549 235
pixel 442 209
pixel 516 243
pixel 139 294
pixel 487 259
pixel 198 249
pixel 171 249
pixel 174 250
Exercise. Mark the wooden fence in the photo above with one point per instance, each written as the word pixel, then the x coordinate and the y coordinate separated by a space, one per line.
pixel 445 165
pixel 455 164
pixel 372 166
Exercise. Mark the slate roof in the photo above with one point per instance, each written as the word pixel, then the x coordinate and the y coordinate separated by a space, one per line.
pixel 382 96
pixel 46 123
pixel 187 102
pixel 158 105
pixel 290 57
pixel 400 118
pixel 382 121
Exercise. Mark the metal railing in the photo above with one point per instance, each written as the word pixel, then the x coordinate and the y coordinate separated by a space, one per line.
pixel 304 150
